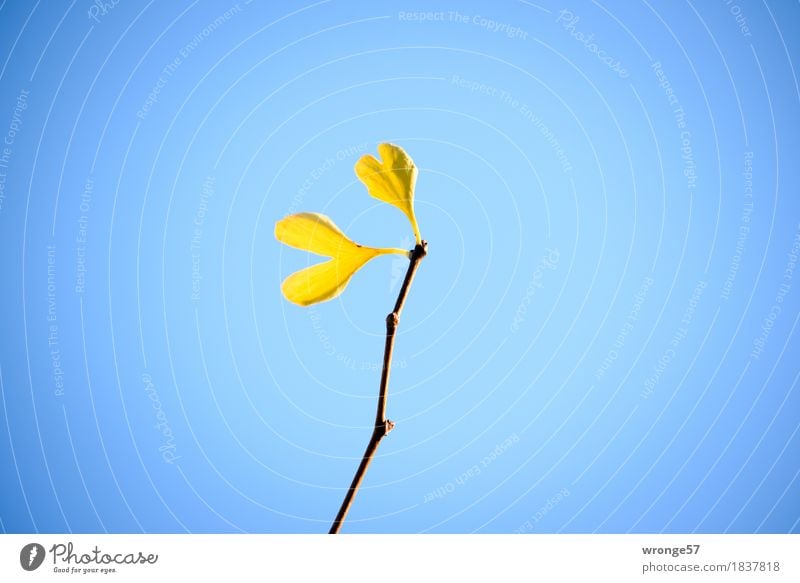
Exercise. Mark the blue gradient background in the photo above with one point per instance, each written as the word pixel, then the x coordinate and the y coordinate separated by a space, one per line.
pixel 577 353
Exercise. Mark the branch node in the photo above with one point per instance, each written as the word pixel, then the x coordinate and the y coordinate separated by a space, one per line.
pixel 382 425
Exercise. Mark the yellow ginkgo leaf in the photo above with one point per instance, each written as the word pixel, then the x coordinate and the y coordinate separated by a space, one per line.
pixel 391 180
pixel 324 281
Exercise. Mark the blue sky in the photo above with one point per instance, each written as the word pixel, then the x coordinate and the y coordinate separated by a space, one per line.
pixel 601 338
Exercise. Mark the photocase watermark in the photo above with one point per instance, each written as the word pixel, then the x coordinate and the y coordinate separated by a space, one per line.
pixel 82 237
pixel 206 193
pixel 678 336
pixel 473 471
pixel 527 113
pixel 768 323
pixel 687 154
pixel 569 22
pixel 320 170
pixel 53 341
pixel 548 262
pixel 552 502
pixel 494 26
pixel 6 151
pixel 171 68
pixel 744 227
pixel 100 8
pixel 167 449
pixel 627 328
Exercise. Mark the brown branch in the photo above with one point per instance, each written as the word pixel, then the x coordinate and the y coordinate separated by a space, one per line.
pixel 382 425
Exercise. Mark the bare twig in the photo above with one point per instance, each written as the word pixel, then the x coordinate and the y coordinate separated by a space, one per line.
pixel 382 425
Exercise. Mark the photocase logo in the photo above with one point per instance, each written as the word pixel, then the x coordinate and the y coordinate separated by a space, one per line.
pixel 31 556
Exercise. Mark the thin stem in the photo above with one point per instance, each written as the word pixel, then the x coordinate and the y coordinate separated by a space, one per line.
pixel 382 425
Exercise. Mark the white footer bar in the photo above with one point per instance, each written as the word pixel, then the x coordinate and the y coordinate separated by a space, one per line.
pixel 406 558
